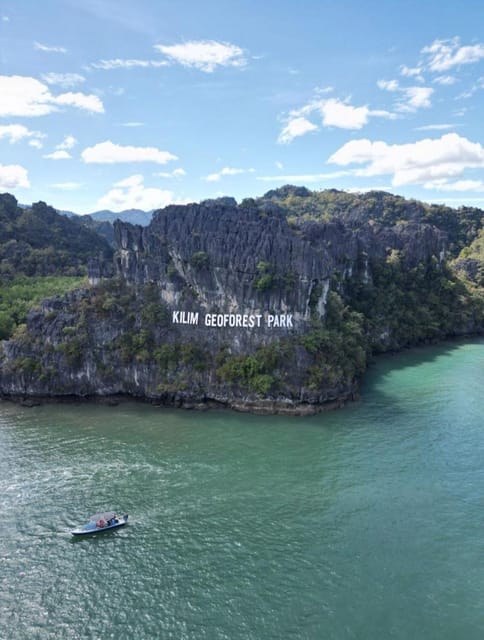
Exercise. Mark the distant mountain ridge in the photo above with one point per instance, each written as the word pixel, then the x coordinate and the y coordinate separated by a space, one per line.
pixel 133 216
pixel 101 222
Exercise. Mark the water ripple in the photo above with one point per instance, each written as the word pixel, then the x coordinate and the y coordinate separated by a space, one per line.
pixel 363 523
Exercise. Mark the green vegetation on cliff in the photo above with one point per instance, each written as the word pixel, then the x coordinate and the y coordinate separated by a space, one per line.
pixel 105 328
pixel 19 295
pixel 471 261
pixel 42 254
pixel 339 344
pixel 301 205
pixel 38 241
pixel 404 306
pixel 332 354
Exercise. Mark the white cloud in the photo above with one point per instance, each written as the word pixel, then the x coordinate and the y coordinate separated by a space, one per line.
pixel 477 86
pixel 16 132
pixel 65 80
pixel 388 85
pixel 176 173
pixel 227 171
pixel 37 144
pixel 419 162
pixel 120 63
pixel 67 186
pixel 415 98
pixel 81 101
pixel 344 116
pixel 412 98
pixel 26 96
pixel 304 178
pixel 436 127
pixel 132 124
pixel 458 185
pixel 442 55
pixel 445 80
pixel 62 149
pixel 43 47
pixel 294 128
pixel 279 165
pixel 337 113
pixel 461 200
pixel 466 94
pixel 13 176
pixel 205 55
pixel 321 91
pixel 376 187
pixel 58 155
pixel 131 181
pixel 334 113
pixel 412 72
pixel 108 153
pixel 68 143
pixel 131 193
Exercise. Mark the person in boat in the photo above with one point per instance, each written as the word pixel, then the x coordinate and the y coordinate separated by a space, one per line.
pixel 101 524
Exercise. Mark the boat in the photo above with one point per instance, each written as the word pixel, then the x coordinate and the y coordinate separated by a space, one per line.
pixel 101 522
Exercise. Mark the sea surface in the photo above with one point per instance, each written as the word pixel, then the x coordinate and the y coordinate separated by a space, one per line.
pixel 365 523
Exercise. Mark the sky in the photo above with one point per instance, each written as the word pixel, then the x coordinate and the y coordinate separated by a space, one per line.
pixel 115 104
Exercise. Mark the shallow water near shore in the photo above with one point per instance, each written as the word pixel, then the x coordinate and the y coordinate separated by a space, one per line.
pixel 366 522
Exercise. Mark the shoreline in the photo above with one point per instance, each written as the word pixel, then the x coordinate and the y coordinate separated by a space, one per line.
pixel 262 407
pixel 270 406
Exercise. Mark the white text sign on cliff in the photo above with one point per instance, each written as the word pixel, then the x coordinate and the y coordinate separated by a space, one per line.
pixel 283 320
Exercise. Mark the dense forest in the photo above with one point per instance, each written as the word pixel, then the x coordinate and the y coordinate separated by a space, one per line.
pixel 42 253
pixel 418 304
pixel 461 225
pixel 38 241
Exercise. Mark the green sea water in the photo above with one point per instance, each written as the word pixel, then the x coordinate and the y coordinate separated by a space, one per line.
pixel 364 523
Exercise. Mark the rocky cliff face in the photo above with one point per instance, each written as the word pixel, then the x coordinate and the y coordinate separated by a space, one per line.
pixel 248 259
pixel 218 302
pixel 229 259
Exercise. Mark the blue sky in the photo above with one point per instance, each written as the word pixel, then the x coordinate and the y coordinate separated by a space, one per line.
pixel 116 104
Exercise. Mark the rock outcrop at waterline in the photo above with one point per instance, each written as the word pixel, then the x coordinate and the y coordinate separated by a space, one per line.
pixel 219 303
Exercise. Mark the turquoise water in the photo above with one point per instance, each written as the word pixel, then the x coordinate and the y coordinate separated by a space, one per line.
pixel 361 523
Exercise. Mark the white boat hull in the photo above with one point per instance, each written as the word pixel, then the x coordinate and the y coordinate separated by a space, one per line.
pixel 91 528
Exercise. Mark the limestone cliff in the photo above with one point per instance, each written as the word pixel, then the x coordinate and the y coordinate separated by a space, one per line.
pixel 234 304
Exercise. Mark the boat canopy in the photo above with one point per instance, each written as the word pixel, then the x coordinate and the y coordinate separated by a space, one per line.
pixel 106 515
